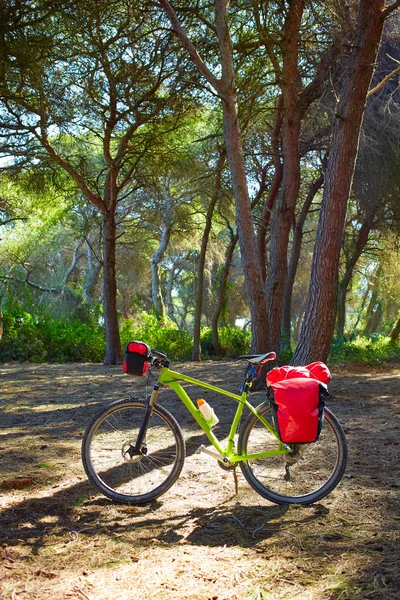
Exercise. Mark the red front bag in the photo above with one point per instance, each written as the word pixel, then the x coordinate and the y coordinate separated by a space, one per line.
pixel 297 408
pixel 136 360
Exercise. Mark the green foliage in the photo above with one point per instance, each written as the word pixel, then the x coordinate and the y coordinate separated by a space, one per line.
pixel 160 334
pixel 46 339
pixel 234 341
pixel 285 356
pixel 365 349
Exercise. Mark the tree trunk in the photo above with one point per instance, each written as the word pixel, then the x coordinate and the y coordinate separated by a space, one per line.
pixel 156 294
pixel 225 88
pixel 221 294
pixel 273 190
pixel 247 242
pixel 245 227
pixel 293 263
pixel 363 303
pixel 395 333
pixel 92 275
pixel 113 342
pixel 362 239
pixel 168 294
pixel 196 354
pixel 374 306
pixel 320 316
pixel 284 213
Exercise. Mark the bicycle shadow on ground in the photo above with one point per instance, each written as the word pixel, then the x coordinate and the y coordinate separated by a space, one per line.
pixel 34 520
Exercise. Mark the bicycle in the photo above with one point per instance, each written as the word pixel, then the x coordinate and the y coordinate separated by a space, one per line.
pixel 133 450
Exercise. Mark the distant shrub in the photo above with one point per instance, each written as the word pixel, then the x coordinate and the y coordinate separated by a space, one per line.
pixel 42 338
pixel 37 338
pixel 234 341
pixel 162 335
pixel 206 341
pixel 285 356
pixel 365 349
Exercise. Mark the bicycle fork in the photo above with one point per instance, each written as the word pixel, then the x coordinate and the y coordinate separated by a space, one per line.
pixel 140 447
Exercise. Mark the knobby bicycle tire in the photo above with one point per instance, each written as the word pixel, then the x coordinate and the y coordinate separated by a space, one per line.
pixel 307 476
pixel 137 479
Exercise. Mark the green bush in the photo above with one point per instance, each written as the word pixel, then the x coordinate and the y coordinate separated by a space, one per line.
pixel 206 341
pixel 36 338
pixel 43 338
pixel 234 341
pixel 364 349
pixel 162 335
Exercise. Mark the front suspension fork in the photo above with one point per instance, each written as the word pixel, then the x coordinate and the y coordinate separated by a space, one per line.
pixel 137 448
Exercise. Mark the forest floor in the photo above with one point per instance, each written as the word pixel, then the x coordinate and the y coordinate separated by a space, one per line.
pixel 60 539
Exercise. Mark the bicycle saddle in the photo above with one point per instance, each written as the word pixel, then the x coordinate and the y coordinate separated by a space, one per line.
pixel 258 358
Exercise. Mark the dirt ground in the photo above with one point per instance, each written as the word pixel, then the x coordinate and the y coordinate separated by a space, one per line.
pixel 60 539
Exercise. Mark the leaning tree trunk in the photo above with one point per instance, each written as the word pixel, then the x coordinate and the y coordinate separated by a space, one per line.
pixel 168 294
pixel 113 342
pixel 293 263
pixel 247 242
pixel 395 333
pixel 274 188
pixel 320 316
pixel 92 275
pixel 245 227
pixel 222 295
pixel 156 294
pixel 362 239
pixel 196 354
pixel 374 308
pixel 283 216
pixel 225 88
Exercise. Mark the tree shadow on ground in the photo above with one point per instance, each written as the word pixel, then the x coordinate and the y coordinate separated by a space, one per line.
pixel 67 510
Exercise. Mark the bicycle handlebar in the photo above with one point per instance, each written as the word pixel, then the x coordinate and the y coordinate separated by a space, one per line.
pixel 159 359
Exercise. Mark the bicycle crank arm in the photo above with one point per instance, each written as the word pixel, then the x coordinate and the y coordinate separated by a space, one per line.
pixel 222 459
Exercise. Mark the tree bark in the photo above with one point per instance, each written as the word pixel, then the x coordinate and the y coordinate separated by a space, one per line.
pixel 395 333
pixel 221 294
pixel 156 294
pixel 319 321
pixel 168 294
pixel 273 190
pixel 293 263
pixel 361 242
pixel 113 342
pixel 92 275
pixel 374 309
pixel 284 212
pixel 244 219
pixel 196 354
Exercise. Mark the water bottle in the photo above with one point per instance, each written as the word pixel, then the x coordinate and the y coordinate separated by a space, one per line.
pixel 207 412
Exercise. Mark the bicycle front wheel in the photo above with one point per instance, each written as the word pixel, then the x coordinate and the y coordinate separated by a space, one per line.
pixel 305 475
pixel 139 478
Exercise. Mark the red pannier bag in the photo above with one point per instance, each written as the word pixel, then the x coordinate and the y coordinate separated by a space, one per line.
pixel 297 409
pixel 136 359
pixel 316 370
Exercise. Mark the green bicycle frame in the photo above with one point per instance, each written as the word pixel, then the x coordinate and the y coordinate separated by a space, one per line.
pixel 172 379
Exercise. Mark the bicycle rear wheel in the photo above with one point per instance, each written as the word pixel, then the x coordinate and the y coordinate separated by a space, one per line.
pixel 139 478
pixel 304 476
